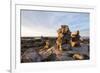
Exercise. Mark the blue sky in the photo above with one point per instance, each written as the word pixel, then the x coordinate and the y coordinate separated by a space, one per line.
pixel 46 23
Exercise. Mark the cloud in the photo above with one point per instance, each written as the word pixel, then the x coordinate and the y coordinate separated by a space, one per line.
pixel 45 23
pixel 37 31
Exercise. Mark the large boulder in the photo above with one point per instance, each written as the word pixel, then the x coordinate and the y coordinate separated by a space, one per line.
pixel 31 55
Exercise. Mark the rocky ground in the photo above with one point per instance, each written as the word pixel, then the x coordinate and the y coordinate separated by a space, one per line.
pixel 32 54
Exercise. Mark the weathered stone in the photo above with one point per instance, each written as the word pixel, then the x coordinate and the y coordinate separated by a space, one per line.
pixel 78 56
pixel 75 39
pixel 31 55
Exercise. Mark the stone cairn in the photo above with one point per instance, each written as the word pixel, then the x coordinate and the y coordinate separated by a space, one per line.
pixel 64 36
pixel 75 39
pixel 65 40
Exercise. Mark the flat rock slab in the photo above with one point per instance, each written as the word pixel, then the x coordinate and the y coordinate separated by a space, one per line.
pixel 31 55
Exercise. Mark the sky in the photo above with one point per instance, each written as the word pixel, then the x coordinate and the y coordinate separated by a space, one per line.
pixel 46 23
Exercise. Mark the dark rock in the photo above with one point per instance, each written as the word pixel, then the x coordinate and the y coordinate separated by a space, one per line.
pixel 31 55
pixel 66 47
